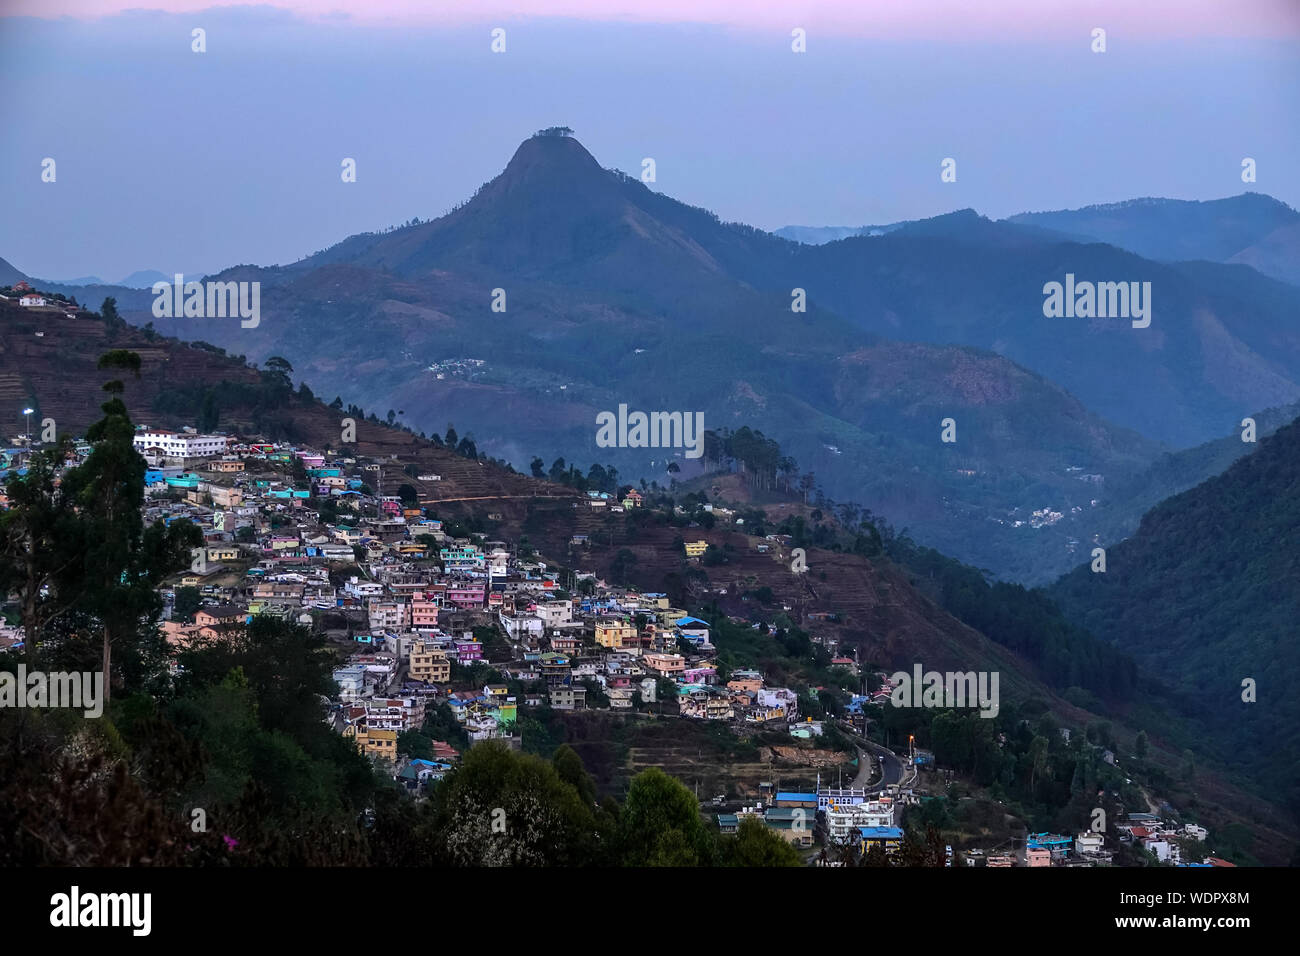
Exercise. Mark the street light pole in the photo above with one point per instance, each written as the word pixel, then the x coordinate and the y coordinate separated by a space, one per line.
pixel 28 413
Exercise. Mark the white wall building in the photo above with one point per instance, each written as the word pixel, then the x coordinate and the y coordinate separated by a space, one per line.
pixel 843 822
pixel 180 444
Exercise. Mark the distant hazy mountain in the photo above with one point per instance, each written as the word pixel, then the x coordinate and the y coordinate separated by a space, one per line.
pixel 618 295
pixel 818 235
pixel 9 275
pixel 145 278
pixel 1222 343
pixel 1277 254
pixel 82 280
pixel 1252 229
pixel 961 223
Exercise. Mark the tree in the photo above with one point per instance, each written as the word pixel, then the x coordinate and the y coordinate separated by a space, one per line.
pixel 119 563
pixel 568 765
pixel 408 495
pixel 756 845
pixel 875 855
pixel 1140 744
pixel 665 692
pixel 537 467
pixel 209 412
pixel 34 529
pixel 621 566
pixel 108 312
pixel 187 601
pixel 501 808
pixel 660 824
pixel 280 369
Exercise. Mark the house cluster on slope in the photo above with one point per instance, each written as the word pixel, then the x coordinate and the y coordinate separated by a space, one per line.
pixel 293 532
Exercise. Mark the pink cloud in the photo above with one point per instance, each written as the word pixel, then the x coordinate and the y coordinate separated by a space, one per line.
pixel 953 20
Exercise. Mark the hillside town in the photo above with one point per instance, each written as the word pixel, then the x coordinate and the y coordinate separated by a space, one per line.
pixel 435 627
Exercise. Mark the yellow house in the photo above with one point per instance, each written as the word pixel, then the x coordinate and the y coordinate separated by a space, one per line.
pixel 613 634
pixel 670 614
pixel 379 743
pixel 696 548
pixel 429 663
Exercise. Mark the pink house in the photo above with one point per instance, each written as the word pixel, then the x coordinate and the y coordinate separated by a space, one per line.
pixel 424 613
pixel 466 595
pixel 469 651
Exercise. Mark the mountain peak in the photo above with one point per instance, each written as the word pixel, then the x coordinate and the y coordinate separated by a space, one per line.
pixel 547 160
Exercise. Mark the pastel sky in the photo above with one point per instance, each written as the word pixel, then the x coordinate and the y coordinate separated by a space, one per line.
pixel 173 160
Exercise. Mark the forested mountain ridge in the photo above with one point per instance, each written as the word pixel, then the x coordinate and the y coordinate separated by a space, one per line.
pixel 1205 595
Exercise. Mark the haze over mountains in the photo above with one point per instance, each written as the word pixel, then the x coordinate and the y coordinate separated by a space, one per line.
pixel 1251 229
pixel 619 295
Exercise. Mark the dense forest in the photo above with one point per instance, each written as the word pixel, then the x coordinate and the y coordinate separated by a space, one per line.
pixel 1206 594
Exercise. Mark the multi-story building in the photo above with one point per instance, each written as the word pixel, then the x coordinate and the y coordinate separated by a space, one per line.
pixel 462 558
pixel 223 497
pixel 665 664
pixel 424 613
pixel 745 680
pixel 465 595
pixel 182 445
pixel 389 615
pixel 467 652
pixel 556 668
pixel 568 697
pixel 377 743
pixel 395 713
pixel 429 663
pixel 843 821
pixel 351 681
pixel 555 613
pixel 219 620
pixel 612 633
